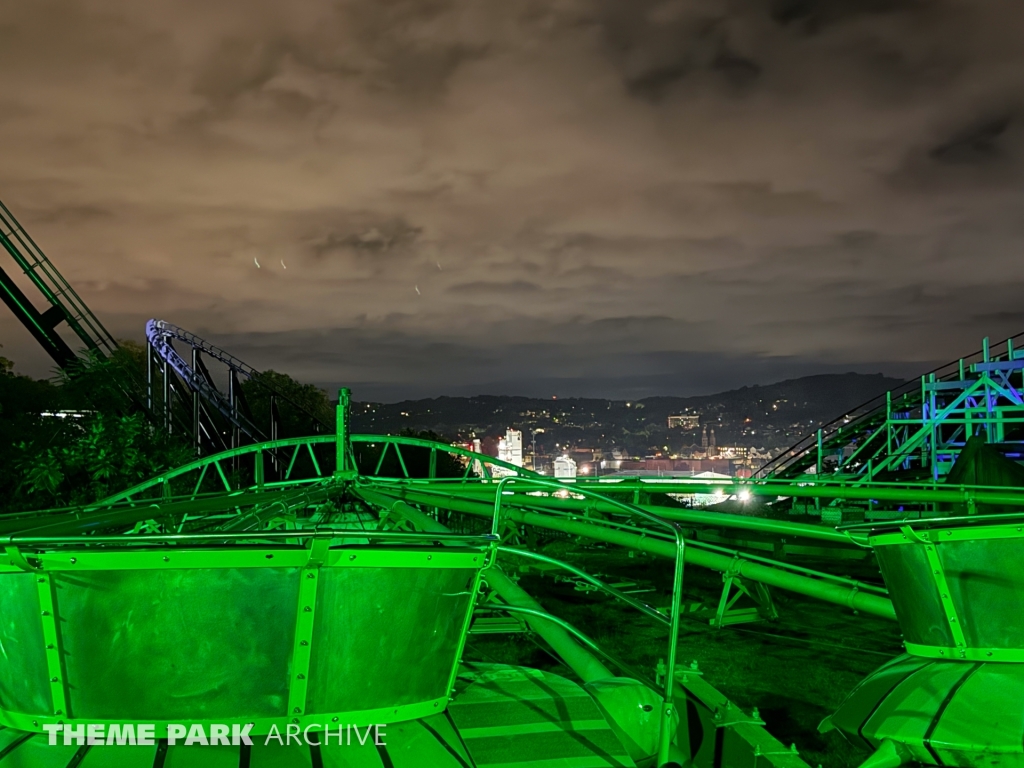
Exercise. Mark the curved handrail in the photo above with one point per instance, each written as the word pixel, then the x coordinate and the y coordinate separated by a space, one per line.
pixel 647 610
pixel 677 581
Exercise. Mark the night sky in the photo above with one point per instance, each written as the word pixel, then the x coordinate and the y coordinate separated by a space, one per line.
pixel 615 198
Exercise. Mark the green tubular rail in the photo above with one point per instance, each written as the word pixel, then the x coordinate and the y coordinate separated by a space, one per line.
pixel 297 444
pixel 469 485
pixel 809 488
pixel 695 517
pixel 679 545
pixel 518 601
pixel 463 495
pixel 644 608
pixel 825 587
pixel 475 495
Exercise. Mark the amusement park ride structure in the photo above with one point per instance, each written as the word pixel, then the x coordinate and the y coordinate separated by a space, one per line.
pixel 332 577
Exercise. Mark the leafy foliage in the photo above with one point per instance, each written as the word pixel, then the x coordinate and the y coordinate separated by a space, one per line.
pixel 101 454
pixel 97 447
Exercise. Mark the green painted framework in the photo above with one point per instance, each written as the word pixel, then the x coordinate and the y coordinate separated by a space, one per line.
pixel 308 560
pixel 226 500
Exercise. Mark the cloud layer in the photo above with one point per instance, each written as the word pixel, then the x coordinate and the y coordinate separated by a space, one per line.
pixel 574 195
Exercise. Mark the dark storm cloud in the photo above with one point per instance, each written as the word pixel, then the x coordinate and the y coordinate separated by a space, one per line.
pixel 429 196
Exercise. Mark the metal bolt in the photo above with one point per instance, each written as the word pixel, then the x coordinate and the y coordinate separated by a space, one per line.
pixel 73 560
pixel 167 559
pixel 307 609
pixel 59 712
pixel 270 557
pixel 35 723
pixel 50 647
pixel 435 703
pixel 334 719
pixel 351 557
pixel 46 613
pixel 300 677
pixel 430 557
pixel 296 710
pixel 295 719
pixel 54 680
pixel 310 576
pixel 304 642
pixel 42 581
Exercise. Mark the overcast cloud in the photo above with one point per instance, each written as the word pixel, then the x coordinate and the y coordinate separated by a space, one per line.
pixel 451 196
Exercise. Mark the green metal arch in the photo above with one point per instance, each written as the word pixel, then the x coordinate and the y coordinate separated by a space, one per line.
pixel 205 463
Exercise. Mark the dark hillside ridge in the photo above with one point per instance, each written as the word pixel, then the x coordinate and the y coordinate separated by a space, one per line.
pixel 772 415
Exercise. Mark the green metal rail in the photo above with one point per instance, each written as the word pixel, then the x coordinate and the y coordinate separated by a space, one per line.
pixel 64 304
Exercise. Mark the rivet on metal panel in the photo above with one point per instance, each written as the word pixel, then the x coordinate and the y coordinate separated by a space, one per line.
pixel 54 680
pixel 304 642
pixel 334 719
pixel 46 613
pixel 307 609
pixel 296 710
pixel 270 557
pixel 310 575
pixel 300 677
pixel 351 557
pixel 430 557
pixel 167 559
pixel 74 560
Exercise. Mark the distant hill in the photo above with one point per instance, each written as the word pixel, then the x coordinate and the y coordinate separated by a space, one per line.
pixel 772 415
